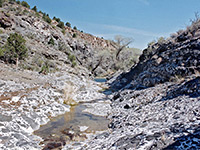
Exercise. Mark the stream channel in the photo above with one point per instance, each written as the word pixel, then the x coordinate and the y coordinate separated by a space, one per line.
pixel 73 126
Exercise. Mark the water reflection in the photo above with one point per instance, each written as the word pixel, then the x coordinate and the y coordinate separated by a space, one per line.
pixel 70 125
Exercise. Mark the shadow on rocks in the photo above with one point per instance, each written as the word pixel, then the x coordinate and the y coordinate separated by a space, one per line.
pixel 191 141
pixel 190 88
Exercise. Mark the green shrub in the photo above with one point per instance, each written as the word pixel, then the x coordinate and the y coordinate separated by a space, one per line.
pixel 15 48
pixel 75 28
pixel 63 31
pixel 161 40
pixel 61 25
pixel 46 18
pixel 19 11
pixel 12 9
pixel 45 68
pixel 73 64
pixel 34 8
pixel 71 57
pixel 56 19
pixel 37 14
pixel 1 31
pixel 18 2
pixel 25 4
pixel 7 14
pixel 51 41
pixel 25 12
pixel 11 0
pixel 62 47
pixel 68 24
pixel 1 3
pixel 2 51
pixel 74 35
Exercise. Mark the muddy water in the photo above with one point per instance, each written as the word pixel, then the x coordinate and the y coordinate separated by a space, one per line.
pixel 72 126
pixel 74 120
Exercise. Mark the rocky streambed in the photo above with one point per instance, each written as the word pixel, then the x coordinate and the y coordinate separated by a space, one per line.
pixel 69 107
pixel 72 128
pixel 163 117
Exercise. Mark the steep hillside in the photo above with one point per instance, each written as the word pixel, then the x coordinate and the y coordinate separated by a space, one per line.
pixel 157 105
pixel 166 60
pixel 49 40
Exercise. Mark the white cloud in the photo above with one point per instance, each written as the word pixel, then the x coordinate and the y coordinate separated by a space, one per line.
pixel 120 29
pixel 140 37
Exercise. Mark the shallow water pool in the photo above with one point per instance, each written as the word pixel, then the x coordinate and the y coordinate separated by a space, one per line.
pixel 72 126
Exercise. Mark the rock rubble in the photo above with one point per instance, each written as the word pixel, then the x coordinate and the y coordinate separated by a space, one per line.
pixel 156 104
pixel 28 100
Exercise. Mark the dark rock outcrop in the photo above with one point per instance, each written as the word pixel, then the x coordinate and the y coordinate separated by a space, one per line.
pixel 157 105
pixel 175 57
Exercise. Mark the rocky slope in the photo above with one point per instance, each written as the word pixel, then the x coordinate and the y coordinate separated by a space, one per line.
pixel 158 105
pixel 155 105
pixel 67 42
pixel 29 99
pixel 166 60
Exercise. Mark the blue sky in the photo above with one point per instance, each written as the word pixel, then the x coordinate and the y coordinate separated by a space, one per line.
pixel 142 20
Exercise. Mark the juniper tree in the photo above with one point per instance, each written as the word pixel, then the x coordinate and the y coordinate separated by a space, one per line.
pixel 15 48
pixel 25 4
pixel 1 3
pixel 34 8
pixel 68 24
pixel 61 25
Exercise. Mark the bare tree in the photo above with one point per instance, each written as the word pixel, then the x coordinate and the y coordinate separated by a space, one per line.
pixel 101 57
pixel 98 64
pixel 120 44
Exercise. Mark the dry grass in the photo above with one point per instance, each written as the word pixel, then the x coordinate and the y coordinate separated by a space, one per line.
pixel 177 78
pixel 69 92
